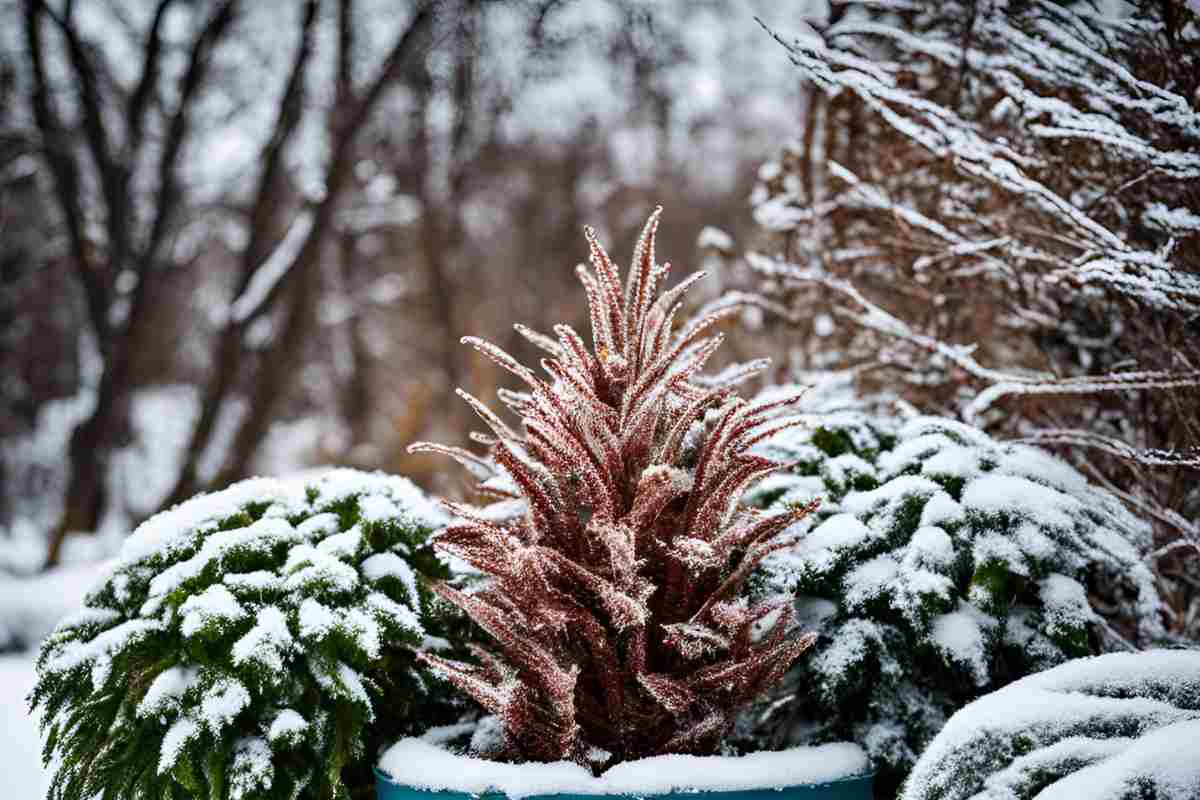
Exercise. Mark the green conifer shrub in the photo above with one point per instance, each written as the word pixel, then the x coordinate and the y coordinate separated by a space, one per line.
pixel 941 564
pixel 256 642
pixel 1121 726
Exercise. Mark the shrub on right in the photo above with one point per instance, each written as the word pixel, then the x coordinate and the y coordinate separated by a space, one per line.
pixel 1122 726
pixel 941 565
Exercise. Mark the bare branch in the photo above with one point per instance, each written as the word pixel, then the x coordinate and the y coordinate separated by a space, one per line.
pixel 58 151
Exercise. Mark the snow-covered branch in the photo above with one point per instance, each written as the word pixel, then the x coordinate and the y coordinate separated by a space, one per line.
pixel 262 284
pixel 1028 65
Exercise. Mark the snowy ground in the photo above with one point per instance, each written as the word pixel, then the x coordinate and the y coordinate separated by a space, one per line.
pixel 29 609
pixel 21 772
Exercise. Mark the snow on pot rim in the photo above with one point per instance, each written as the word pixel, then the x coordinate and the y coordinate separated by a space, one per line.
pixel 423 766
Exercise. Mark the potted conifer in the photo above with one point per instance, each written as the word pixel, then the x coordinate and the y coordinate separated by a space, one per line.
pixel 623 638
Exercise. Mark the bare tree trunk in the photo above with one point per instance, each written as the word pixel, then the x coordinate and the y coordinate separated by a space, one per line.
pixel 350 114
pixel 274 375
pixel 94 441
pixel 86 496
pixel 225 369
pixel 441 219
pixel 354 399
pixel 441 291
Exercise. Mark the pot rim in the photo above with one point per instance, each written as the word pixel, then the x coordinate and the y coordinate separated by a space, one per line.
pixel 419 762
pixel 384 777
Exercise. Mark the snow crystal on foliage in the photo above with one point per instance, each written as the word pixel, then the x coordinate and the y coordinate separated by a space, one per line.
pixel 178 735
pixel 318 526
pixel 252 770
pixel 400 615
pixel 853 642
pixel 936 452
pixel 1112 726
pixel 267 643
pixel 845 468
pixel 166 690
pixel 390 565
pixel 941 508
pixel 1167 759
pixel 1065 602
pixel 344 681
pixel 362 629
pixel 378 509
pixel 1000 494
pixel 424 765
pixel 316 620
pixel 288 725
pixel 960 635
pixel 311 569
pixel 88 616
pixel 930 545
pixel 817 551
pixel 942 564
pixel 885 498
pixel 163 532
pixel 255 538
pixel 63 657
pixel 259 581
pixel 214 606
pixel 870 579
pixel 221 704
pixel 840 530
pixel 998 548
pixel 342 545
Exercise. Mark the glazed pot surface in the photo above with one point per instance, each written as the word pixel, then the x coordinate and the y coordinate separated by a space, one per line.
pixel 856 787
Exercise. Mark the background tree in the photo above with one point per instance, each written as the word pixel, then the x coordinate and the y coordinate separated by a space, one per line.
pixel 994 209
pixel 260 221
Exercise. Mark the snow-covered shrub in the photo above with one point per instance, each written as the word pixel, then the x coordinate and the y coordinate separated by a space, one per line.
pixel 940 565
pixel 616 606
pixel 1122 726
pixel 245 642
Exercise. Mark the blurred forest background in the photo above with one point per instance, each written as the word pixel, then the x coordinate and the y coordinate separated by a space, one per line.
pixel 245 237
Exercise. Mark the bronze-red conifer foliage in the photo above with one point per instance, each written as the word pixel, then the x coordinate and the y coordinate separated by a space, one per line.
pixel 616 599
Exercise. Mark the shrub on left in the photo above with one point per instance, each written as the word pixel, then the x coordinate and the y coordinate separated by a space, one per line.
pixel 256 642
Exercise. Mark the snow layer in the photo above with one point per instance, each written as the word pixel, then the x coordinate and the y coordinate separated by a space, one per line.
pixel 285 496
pixel 1093 728
pixel 1168 759
pixel 308 569
pixel 425 765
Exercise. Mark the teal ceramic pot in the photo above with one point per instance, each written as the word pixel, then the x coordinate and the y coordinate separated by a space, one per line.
pixel 856 787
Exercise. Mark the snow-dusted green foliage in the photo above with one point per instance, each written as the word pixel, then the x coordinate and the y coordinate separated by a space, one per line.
pixel 1122 726
pixel 245 643
pixel 940 565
